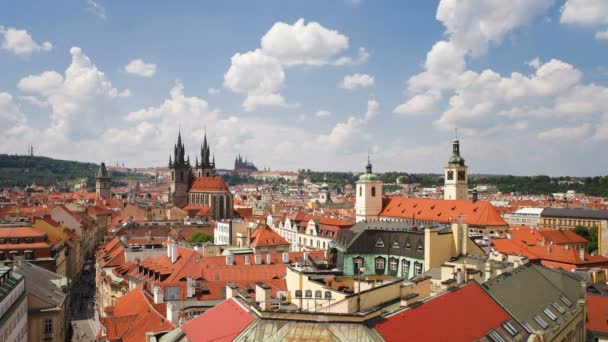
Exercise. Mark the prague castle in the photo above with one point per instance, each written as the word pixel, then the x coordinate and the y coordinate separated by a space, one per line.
pixel 199 185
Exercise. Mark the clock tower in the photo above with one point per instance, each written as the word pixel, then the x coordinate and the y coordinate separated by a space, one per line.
pixel 456 186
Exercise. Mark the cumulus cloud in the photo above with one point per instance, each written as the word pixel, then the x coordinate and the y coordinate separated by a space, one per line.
pixel 259 74
pixel 471 27
pixel 586 13
pixel 20 42
pixel 79 99
pixel 213 91
pixel 345 133
pixel 140 68
pixel 565 133
pixel 356 81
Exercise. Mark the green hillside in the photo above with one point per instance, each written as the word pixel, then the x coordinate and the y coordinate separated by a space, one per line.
pixel 24 170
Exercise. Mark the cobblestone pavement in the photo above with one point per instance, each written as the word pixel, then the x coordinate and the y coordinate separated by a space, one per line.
pixel 85 319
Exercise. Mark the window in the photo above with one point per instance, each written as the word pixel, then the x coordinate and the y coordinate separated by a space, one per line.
pixel 540 321
pixel 379 263
pixel 29 240
pixel 327 294
pixel 566 301
pixel 528 328
pixel 393 264
pixel 373 191
pixel 379 243
pixel 172 293
pixel 510 328
pixel 420 247
pixel 358 264
pixel 14 240
pixel 450 175
pixel 495 336
pixel 405 269
pixel 308 293
pixel 550 313
pixel 462 175
pixel 47 326
pixel 172 175
pixel 417 269
pixel 558 307
pixel 395 244
pixel 318 294
pixel 360 191
pixel 298 293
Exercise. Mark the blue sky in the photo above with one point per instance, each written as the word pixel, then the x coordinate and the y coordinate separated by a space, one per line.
pixel 311 84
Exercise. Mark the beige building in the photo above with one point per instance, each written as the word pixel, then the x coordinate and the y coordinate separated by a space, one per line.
pixel 569 218
pixel 48 303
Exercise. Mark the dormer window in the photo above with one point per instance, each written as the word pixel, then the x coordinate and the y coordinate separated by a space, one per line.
pixel 379 243
pixel 395 244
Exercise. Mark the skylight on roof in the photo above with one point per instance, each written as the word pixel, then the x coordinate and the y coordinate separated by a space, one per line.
pixel 566 301
pixel 495 336
pixel 558 307
pixel 510 328
pixel 550 313
pixel 540 321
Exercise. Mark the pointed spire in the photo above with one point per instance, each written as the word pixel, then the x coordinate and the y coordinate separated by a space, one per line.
pixel 368 167
pixel 170 162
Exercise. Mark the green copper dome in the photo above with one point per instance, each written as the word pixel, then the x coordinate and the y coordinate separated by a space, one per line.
pixel 367 177
pixel 456 160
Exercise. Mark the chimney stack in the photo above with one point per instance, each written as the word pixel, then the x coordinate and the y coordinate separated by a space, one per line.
pixel 262 295
pixel 158 295
pixel 581 253
pixel 475 195
pixel 173 253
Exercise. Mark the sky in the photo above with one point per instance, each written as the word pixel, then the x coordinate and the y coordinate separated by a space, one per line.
pixel 310 84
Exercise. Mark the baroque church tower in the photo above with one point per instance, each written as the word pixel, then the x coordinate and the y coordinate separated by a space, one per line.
pixel 456 186
pixel 369 195
pixel 102 182
pixel 180 174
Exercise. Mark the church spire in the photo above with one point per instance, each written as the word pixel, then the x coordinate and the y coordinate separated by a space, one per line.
pixel 368 167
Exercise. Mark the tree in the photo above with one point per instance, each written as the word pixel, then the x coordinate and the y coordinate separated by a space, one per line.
pixel 200 237
pixel 590 234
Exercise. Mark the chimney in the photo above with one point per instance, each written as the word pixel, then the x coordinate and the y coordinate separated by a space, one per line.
pixel 229 260
pixel 262 295
pixel 475 195
pixel 173 253
pixel 459 277
pixel 231 290
pixel 158 295
pixel 268 259
pixel 285 257
pixel 190 287
pixel 305 256
pixel 169 247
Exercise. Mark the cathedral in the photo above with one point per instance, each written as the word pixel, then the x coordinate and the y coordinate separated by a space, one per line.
pixel 198 185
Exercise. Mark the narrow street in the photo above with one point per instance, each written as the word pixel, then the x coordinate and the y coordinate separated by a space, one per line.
pixel 85 319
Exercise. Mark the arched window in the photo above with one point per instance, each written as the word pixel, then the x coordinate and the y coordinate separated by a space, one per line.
pixel 318 294
pixel 181 176
pixel 172 175
pixel 373 191
pixel 360 191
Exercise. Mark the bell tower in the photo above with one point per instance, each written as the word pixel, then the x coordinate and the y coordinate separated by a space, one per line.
pixel 180 174
pixel 456 178
pixel 369 195
pixel 102 182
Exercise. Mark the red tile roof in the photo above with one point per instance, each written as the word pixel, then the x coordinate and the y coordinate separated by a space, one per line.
pixel 266 236
pixel 597 313
pixel 465 314
pixel 133 317
pixel 20 232
pixel 215 183
pixel 478 213
pixel 221 323
pixel 246 213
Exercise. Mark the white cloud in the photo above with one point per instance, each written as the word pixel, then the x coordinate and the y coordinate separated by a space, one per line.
pixel 565 133
pixel 35 101
pixel 601 35
pixel 584 12
pixel 356 81
pixel 322 113
pixel 96 9
pixel 303 43
pixel 140 68
pixel 259 74
pixel 213 91
pixel 344 134
pixel 20 42
pixel 10 114
pixel 419 104
pixel 535 63
pixel 80 100
pixel 471 27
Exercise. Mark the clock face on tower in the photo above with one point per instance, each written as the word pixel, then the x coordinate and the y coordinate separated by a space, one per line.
pixel 461 175
pixel 450 175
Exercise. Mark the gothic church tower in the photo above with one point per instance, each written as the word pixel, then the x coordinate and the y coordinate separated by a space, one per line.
pixel 180 174
pixel 102 182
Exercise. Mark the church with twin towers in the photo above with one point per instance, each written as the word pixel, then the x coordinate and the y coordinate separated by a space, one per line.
pixel 198 185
